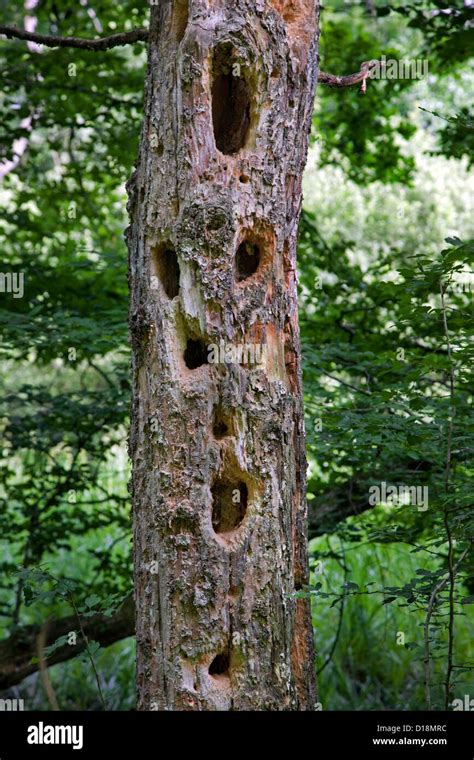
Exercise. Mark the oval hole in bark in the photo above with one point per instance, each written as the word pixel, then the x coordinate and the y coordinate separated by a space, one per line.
pixel 229 505
pixel 231 101
pixel 166 266
pixel 247 260
pixel 221 427
pixel 195 354
pixel 219 667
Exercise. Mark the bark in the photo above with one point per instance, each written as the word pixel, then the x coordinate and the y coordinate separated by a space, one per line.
pixel 218 449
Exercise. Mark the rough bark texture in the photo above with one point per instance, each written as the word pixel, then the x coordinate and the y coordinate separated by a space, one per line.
pixel 218 448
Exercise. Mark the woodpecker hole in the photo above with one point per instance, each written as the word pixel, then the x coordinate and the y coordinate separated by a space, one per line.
pixel 247 260
pixel 220 666
pixel 195 354
pixel 220 429
pixel 166 267
pixel 231 101
pixel 221 426
pixel 229 505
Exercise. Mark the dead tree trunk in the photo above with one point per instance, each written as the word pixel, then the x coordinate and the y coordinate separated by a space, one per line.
pixel 217 437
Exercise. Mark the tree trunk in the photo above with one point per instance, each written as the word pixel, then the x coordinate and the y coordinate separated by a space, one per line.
pixel 217 439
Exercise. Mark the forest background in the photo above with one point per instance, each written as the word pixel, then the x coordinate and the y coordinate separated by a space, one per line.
pixel 386 290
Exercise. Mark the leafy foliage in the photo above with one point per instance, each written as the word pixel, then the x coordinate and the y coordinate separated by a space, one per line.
pixel 365 129
pixel 382 410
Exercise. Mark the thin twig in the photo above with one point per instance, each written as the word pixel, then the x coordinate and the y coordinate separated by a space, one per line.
pixel 103 374
pixel 341 612
pixel 86 641
pixel 342 382
pixel 447 526
pixel 437 589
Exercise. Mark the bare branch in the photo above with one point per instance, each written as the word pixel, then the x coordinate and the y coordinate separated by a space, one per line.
pixel 351 79
pixel 141 35
pixel 101 43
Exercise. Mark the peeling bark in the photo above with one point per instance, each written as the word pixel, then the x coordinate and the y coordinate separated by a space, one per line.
pixel 218 448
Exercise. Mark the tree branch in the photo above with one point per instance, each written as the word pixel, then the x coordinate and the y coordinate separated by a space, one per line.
pixel 101 43
pixel 351 79
pixel 16 651
pixel 141 35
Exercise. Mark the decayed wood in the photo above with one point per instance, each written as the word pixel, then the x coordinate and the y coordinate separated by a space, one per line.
pixel 218 449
